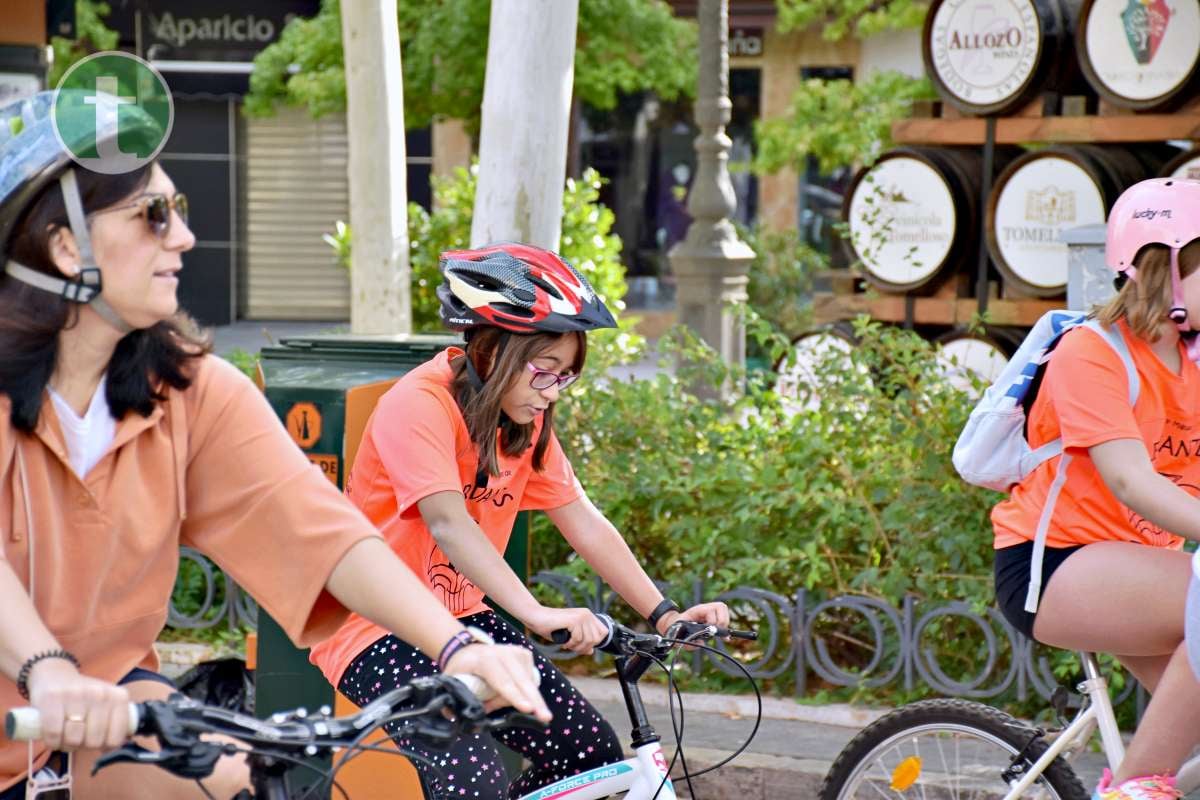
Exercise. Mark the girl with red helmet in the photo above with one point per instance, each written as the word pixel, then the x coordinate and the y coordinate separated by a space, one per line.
pixel 1114 578
pixel 451 454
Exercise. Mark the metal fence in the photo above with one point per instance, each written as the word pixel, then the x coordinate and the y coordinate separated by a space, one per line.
pixel 806 635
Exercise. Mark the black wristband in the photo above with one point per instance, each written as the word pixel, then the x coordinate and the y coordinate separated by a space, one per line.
pixel 659 610
pixel 27 667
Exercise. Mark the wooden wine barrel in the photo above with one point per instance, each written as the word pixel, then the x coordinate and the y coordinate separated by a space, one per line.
pixel 913 216
pixel 990 57
pixel 800 374
pixel 1045 192
pixel 970 358
pixel 1184 165
pixel 1141 54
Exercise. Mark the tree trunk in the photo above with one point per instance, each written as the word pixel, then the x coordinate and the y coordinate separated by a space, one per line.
pixel 526 108
pixel 380 300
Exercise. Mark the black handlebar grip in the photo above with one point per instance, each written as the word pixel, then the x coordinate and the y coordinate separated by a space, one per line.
pixel 560 636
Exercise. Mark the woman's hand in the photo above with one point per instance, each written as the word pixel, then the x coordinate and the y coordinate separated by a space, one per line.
pixel 707 613
pixel 77 711
pixel 509 670
pixel 585 628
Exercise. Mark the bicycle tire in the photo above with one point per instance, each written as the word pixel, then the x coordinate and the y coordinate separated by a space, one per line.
pixel 887 758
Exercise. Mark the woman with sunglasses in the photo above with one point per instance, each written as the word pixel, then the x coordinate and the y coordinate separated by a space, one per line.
pixel 451 454
pixel 122 438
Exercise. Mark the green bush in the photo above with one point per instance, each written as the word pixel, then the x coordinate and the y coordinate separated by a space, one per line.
pixel 856 494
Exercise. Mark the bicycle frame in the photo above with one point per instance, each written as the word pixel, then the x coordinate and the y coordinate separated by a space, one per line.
pixel 639 777
pixel 1096 712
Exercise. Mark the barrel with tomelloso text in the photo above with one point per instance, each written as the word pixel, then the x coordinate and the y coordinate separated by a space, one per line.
pixel 1045 192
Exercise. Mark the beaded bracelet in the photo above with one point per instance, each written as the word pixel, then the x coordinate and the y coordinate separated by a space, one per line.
pixel 27 667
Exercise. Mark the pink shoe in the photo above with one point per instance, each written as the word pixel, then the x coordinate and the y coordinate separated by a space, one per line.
pixel 1150 787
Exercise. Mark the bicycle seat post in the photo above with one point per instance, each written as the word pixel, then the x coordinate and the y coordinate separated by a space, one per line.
pixel 629 671
pixel 1096 687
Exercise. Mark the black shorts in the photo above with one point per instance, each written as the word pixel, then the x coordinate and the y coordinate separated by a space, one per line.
pixel 17 791
pixel 1012 580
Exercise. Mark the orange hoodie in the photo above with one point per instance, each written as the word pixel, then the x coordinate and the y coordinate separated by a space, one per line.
pixel 211 468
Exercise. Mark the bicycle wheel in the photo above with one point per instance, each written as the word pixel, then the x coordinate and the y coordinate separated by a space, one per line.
pixel 948 750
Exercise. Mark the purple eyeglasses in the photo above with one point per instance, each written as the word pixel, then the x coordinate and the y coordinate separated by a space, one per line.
pixel 544 379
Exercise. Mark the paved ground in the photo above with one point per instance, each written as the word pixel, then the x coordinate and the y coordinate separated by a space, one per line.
pixel 786 760
pixel 253 336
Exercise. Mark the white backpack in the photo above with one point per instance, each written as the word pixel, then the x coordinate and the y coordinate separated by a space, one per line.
pixel 992 450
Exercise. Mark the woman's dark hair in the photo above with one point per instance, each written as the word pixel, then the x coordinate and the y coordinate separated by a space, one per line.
pixel 481 409
pixel 31 319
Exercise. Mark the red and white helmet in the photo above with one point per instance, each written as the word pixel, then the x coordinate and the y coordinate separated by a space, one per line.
pixel 519 288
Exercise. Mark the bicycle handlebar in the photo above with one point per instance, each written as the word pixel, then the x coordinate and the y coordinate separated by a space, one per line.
pixel 25 724
pixel 626 641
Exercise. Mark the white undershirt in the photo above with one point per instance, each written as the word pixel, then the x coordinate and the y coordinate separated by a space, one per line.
pixel 89 436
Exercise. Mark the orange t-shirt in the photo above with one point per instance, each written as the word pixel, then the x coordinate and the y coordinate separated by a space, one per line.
pixel 416 444
pixel 1084 398
pixel 211 468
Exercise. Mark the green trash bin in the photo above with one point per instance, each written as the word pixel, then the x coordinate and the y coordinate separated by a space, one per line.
pixel 323 388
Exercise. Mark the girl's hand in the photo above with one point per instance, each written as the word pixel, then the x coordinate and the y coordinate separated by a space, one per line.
pixel 586 630
pixel 77 711
pixel 509 670
pixel 707 613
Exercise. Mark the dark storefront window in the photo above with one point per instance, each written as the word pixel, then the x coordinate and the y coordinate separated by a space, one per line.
pixel 418 158
pixel 645 148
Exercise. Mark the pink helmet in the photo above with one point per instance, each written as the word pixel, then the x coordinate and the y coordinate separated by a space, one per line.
pixel 1158 211
pixel 1162 211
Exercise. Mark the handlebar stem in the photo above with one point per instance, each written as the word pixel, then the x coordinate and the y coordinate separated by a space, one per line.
pixel 629 670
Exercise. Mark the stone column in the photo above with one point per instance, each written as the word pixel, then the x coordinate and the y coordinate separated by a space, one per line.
pixel 711 263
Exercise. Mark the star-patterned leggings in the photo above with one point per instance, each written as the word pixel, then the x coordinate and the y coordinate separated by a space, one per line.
pixel 577 739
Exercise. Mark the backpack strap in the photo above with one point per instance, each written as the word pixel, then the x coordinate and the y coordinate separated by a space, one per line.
pixel 1116 340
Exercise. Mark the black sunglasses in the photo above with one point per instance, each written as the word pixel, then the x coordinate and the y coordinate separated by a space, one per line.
pixel 156 210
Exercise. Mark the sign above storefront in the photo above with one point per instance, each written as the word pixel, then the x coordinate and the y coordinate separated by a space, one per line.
pixel 746 42
pixel 205 30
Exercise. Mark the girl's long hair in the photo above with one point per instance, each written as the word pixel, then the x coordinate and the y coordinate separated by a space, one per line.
pixel 491 430
pixel 31 319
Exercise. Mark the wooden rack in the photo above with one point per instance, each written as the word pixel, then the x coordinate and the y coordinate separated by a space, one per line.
pixel 1016 130
pixel 942 125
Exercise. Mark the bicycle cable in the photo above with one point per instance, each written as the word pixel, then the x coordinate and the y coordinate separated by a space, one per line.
pixel 677 726
pixel 357 748
pixel 669 669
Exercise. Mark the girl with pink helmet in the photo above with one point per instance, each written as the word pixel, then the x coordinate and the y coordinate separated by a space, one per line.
pixel 1114 577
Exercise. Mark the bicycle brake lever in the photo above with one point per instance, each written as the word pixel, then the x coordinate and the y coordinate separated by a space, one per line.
pixel 434 735
pixel 517 720
pixel 193 762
